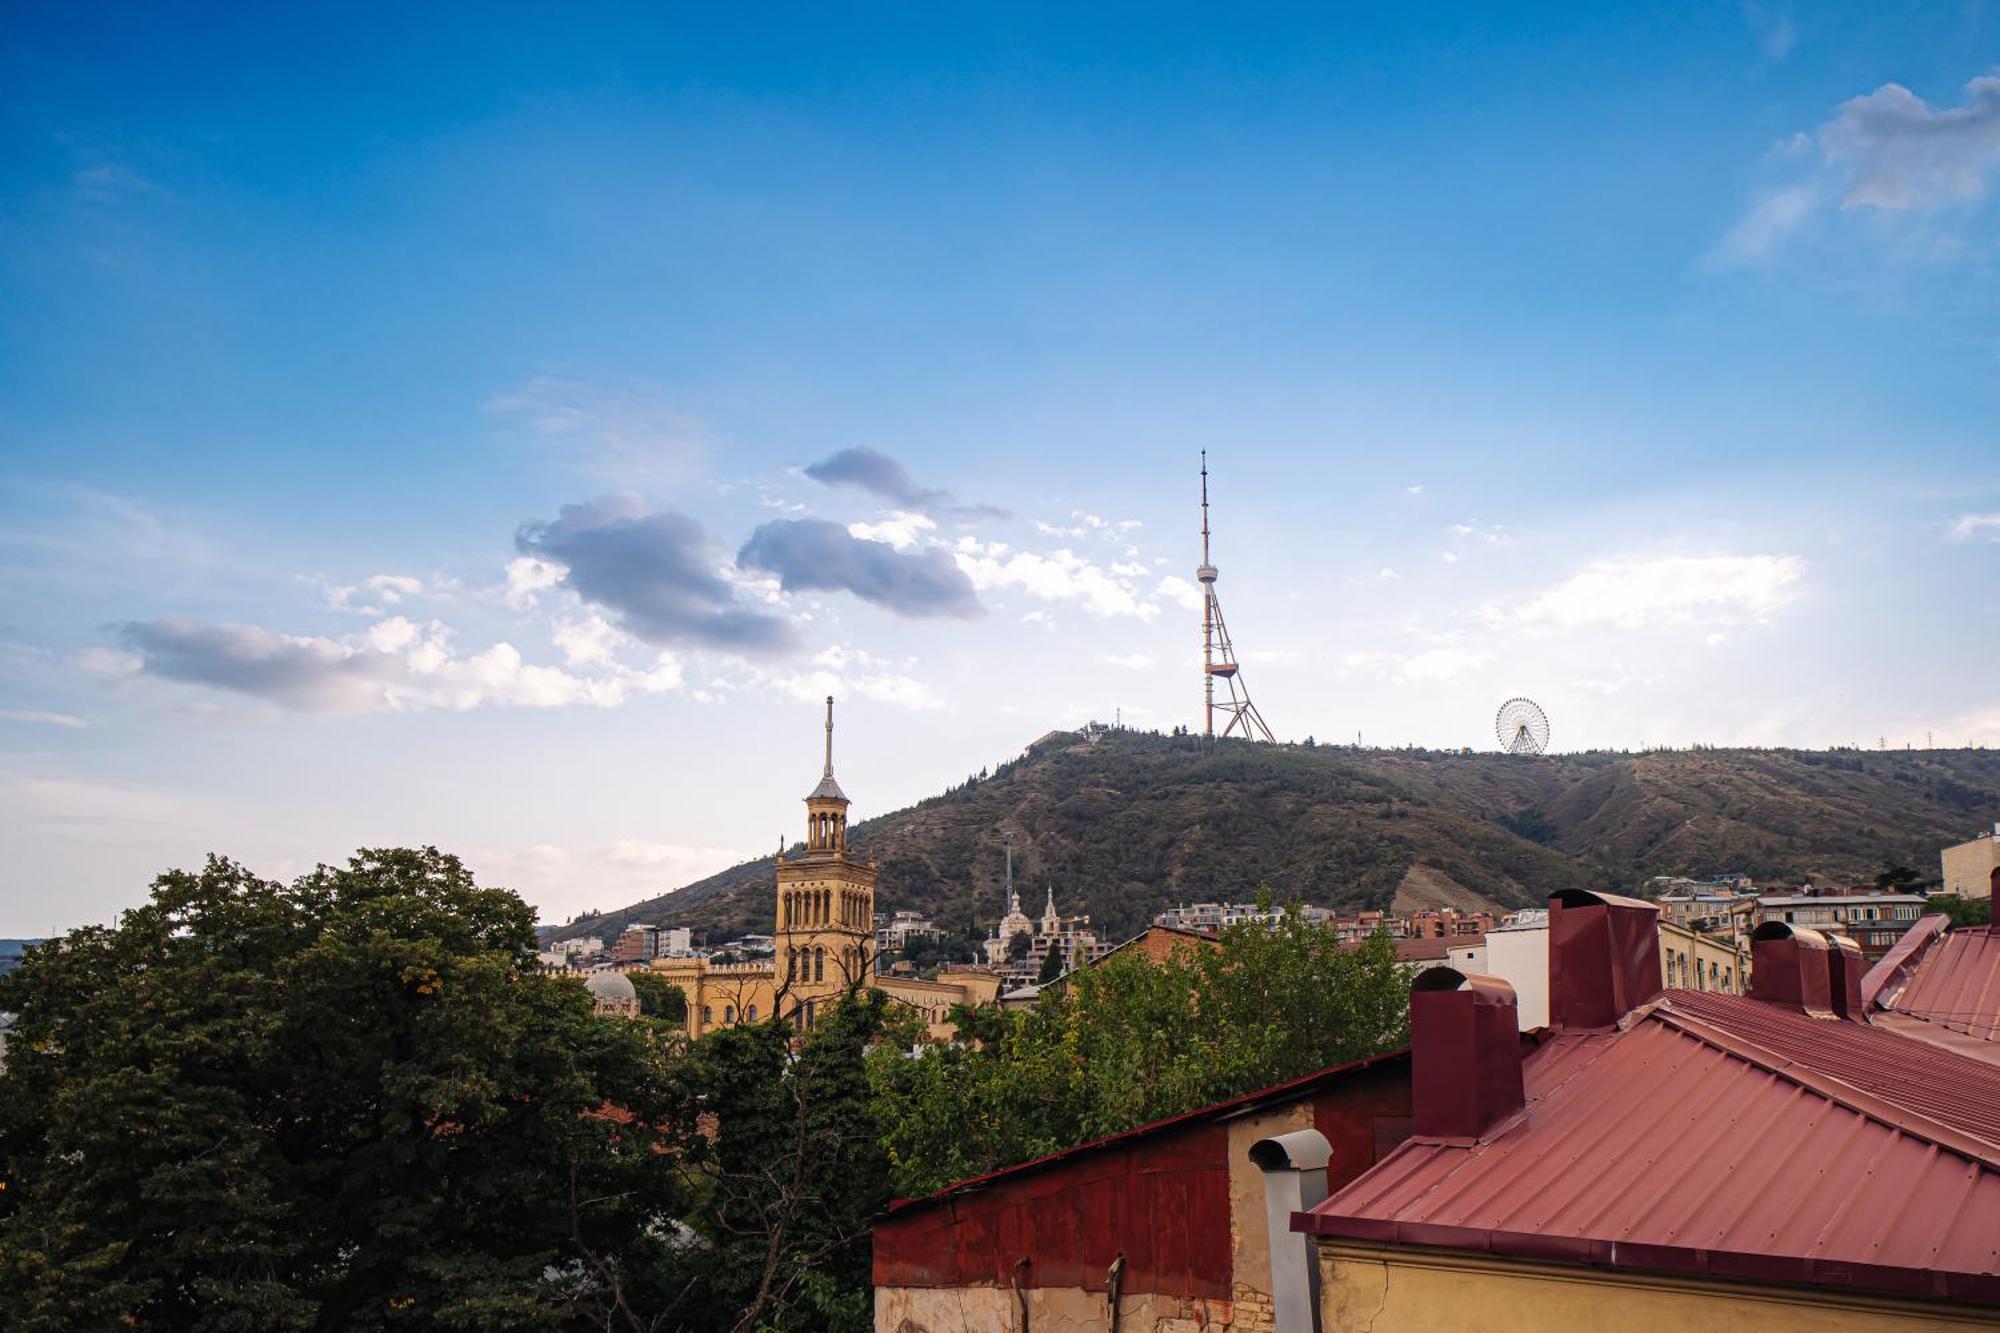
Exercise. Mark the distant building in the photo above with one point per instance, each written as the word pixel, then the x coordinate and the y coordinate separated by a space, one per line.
pixel 1875 921
pixel 1219 916
pixel 583 946
pixel 612 993
pixel 894 933
pixel 1070 938
pixel 1972 869
pixel 825 941
pixel 636 944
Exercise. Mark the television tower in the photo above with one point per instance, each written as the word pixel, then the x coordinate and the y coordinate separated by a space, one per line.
pixel 1218 655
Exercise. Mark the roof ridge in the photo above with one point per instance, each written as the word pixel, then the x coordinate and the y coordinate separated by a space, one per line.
pixel 1880 1109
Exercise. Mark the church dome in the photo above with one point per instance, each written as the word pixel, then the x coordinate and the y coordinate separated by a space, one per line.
pixel 610 985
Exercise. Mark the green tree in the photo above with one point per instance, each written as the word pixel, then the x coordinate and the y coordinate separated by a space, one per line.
pixel 794 1171
pixel 1052 966
pixel 348 1103
pixel 1129 1040
pixel 658 997
pixel 1962 911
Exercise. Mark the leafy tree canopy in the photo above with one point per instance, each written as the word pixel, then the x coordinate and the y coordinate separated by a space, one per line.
pixel 348 1103
pixel 1130 1040
pixel 1962 911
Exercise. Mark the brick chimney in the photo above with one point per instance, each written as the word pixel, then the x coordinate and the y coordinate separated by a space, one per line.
pixel 1465 1053
pixel 1789 967
pixel 1604 957
pixel 1845 968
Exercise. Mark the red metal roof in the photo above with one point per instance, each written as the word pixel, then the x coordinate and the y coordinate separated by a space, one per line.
pixel 1711 1138
pixel 1956 983
pixel 1912 1076
pixel 1895 966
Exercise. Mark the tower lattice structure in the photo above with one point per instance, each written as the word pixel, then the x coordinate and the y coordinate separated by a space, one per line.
pixel 826 901
pixel 1218 654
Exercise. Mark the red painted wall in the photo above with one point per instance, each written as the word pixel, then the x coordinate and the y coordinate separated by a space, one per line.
pixel 1161 1199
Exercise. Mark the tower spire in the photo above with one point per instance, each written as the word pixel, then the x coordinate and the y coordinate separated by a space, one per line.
pixel 1218 655
pixel 829 737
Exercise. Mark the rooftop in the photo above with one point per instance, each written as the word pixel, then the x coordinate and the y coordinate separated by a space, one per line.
pixel 1724 1136
pixel 1949 979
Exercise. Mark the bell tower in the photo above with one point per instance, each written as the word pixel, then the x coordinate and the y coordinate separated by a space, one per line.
pixel 826 905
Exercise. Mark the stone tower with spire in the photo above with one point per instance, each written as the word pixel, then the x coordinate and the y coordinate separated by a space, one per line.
pixel 826 904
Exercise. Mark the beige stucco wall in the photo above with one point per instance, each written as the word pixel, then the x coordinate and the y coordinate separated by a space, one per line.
pixel 1050 1310
pixel 1968 867
pixel 1379 1290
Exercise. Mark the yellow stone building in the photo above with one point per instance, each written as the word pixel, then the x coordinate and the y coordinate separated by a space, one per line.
pixel 1972 869
pixel 823 939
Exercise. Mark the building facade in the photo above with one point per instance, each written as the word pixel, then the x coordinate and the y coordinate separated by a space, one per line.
pixel 1875 921
pixel 823 943
pixel 1972 869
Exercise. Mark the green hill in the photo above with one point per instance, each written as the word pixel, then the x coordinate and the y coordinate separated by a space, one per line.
pixel 1135 821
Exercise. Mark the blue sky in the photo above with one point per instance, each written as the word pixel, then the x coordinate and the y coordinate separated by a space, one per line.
pixel 496 427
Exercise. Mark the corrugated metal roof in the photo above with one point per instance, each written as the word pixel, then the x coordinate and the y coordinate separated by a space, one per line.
pixel 1665 1147
pixel 1895 966
pixel 1919 1078
pixel 1957 984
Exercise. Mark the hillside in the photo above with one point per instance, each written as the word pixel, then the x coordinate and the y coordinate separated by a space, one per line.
pixel 1138 821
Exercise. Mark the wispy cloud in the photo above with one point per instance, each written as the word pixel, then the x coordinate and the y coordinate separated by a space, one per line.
pixel 1666 590
pixel 37 717
pixel 1775 32
pixel 1889 152
pixel 884 477
pixel 1056 576
pixel 626 433
pixel 1971 526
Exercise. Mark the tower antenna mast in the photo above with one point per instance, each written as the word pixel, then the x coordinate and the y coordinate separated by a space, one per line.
pixel 1218 655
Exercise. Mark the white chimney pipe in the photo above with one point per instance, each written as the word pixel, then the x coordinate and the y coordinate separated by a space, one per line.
pixel 1294 1167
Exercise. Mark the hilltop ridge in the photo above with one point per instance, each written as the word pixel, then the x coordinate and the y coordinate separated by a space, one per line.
pixel 1132 822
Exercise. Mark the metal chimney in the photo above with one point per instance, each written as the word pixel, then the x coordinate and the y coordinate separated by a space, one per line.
pixel 1294 1167
pixel 1604 957
pixel 1789 967
pixel 1465 1053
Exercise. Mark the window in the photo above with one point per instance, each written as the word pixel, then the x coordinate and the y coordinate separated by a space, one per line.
pixel 1788 916
pixel 819 965
pixel 729 1013
pixel 750 1014
pixel 707 1016
pixel 809 1013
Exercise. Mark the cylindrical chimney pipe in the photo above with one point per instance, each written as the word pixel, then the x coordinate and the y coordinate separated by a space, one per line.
pixel 1294 1167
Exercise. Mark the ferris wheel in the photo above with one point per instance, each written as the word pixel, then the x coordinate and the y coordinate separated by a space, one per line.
pixel 1522 726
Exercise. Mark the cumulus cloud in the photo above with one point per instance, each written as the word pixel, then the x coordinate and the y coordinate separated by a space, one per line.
pixel 624 432
pixel 1056 576
pixel 900 530
pixel 1972 526
pixel 396 664
pixel 1667 590
pixel 652 570
pixel 882 476
pixel 1180 592
pixel 809 554
pixel 1889 152
pixel 1902 152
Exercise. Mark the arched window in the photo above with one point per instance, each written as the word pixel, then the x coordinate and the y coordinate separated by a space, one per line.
pixel 791 964
pixel 729 1013
pixel 750 1014
pixel 707 1016
pixel 819 965
pixel 809 1013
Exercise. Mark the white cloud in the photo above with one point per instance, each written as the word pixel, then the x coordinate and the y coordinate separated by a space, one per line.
pixel 1970 526
pixel 590 642
pixel 1429 666
pixel 1180 592
pixel 395 665
pixel 1130 661
pixel 37 717
pixel 1413 490
pixel 898 529
pixel 373 594
pixel 1668 590
pixel 527 579
pixel 841 670
pixel 1059 575
pixel 1902 152
pixel 1778 213
pixel 1776 33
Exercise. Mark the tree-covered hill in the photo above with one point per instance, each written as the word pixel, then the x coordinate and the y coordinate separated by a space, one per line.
pixel 1135 821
